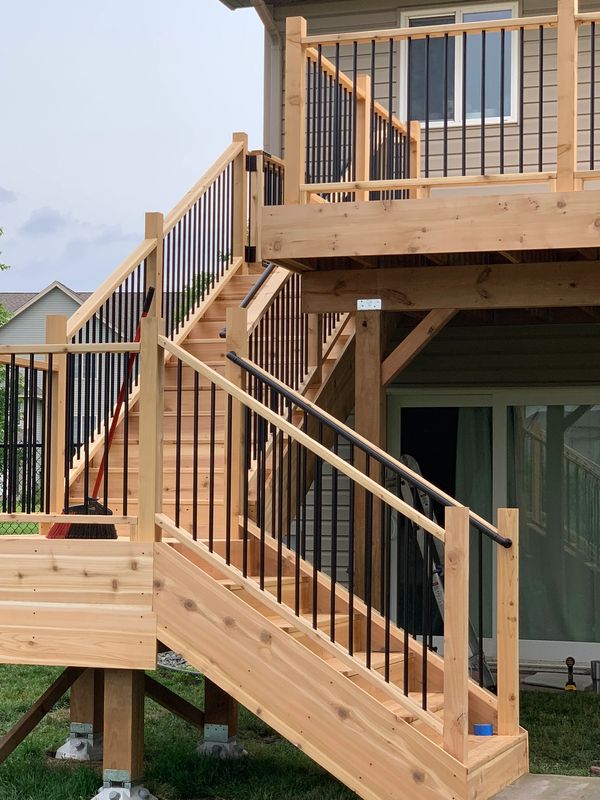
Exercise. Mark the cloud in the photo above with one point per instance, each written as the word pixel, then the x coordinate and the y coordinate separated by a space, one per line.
pixel 44 222
pixel 7 196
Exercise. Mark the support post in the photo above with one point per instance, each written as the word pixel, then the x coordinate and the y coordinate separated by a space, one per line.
pixel 456 633
pixel 123 763
pixel 56 333
pixel 363 133
pixel 315 347
pixel 240 201
pixel 257 193
pixel 370 423
pixel 237 342
pixel 295 109
pixel 566 142
pixel 414 132
pixel 220 724
pixel 86 718
pixel 507 586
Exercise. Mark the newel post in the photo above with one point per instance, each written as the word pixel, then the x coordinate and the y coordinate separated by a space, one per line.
pixel 456 632
pixel 151 395
pixel 295 109
pixel 256 203
pixel 240 199
pixel 363 132
pixel 414 132
pixel 237 342
pixel 566 150
pixel 56 333
pixel 507 587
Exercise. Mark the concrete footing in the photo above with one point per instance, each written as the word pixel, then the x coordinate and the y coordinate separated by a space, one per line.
pixel 124 793
pixel 551 787
pixel 81 747
pixel 216 748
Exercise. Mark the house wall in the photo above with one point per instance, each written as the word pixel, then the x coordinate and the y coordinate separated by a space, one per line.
pixel 534 355
pixel 30 325
pixel 352 15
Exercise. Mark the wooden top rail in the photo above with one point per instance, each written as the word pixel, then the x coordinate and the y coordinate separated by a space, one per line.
pixel 401 34
pixel 87 310
pixel 199 188
pixel 25 362
pixel 449 181
pixel 347 83
pixel 269 157
pixel 588 17
pixel 304 439
pixel 63 349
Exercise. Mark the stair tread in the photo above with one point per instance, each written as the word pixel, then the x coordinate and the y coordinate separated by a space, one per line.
pixel 377 660
pixel 435 702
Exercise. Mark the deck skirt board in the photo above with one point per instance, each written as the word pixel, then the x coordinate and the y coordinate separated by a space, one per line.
pixel 76 603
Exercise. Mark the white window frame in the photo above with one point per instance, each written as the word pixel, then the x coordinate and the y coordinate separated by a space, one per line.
pixel 404 18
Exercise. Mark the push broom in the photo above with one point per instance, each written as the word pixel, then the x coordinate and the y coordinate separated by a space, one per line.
pixel 86 530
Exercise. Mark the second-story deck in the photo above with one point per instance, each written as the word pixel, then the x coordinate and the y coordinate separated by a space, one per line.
pixel 473 138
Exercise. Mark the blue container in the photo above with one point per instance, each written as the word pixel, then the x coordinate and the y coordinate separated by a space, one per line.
pixel 483 729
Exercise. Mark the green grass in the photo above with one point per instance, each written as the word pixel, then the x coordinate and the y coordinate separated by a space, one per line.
pixel 564 731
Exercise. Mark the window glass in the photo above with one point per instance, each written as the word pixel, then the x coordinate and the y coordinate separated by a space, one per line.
pixel 427 69
pixel 493 64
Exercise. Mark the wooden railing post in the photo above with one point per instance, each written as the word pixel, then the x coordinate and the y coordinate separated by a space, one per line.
pixel 56 333
pixel 566 153
pixel 507 587
pixel 153 229
pixel 363 132
pixel 151 396
pixel 414 132
pixel 456 633
pixel 237 341
pixel 315 347
pixel 295 109
pixel 240 199
pixel 257 193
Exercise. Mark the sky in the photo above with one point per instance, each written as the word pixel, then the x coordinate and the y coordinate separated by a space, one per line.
pixel 109 110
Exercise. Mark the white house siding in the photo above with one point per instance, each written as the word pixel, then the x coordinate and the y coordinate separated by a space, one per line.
pixel 30 325
pixel 350 15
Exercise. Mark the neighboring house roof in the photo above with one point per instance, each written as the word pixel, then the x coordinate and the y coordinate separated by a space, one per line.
pixel 17 302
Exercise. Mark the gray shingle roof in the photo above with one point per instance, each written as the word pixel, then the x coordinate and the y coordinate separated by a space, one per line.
pixel 13 301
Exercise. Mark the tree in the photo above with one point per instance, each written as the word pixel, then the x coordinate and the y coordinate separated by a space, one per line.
pixel 5 314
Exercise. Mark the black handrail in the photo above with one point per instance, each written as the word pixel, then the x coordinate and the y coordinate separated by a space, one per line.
pixel 268 270
pixel 393 466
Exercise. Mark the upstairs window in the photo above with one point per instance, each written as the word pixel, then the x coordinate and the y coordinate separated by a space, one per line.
pixel 448 81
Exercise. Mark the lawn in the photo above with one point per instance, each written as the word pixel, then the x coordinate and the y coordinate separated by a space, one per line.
pixel 564 730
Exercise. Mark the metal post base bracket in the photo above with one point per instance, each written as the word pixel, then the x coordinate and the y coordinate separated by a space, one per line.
pixel 122 793
pixel 218 744
pixel 81 747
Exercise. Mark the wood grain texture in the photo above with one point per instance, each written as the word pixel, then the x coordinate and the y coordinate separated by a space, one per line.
pixel 492 286
pixel 507 587
pixel 434 225
pixel 342 728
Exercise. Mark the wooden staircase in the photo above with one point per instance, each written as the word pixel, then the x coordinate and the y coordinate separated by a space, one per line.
pixel 363 730
pixel 205 341
pixel 222 457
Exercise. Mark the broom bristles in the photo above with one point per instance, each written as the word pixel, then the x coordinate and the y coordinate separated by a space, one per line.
pixel 60 530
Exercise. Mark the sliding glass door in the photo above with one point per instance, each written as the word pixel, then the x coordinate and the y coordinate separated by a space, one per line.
pixel 537 450
pixel 554 479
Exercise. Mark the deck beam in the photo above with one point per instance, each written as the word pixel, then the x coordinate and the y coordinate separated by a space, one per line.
pixel 484 287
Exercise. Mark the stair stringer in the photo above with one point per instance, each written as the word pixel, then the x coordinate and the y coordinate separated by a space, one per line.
pixel 341 727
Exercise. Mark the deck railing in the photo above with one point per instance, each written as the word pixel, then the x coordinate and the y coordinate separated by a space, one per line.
pixel 397 113
pixel 279 543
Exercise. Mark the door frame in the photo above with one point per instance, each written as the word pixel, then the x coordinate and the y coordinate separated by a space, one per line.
pixel 532 651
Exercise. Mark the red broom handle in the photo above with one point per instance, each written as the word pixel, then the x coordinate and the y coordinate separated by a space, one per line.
pixel 131 361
